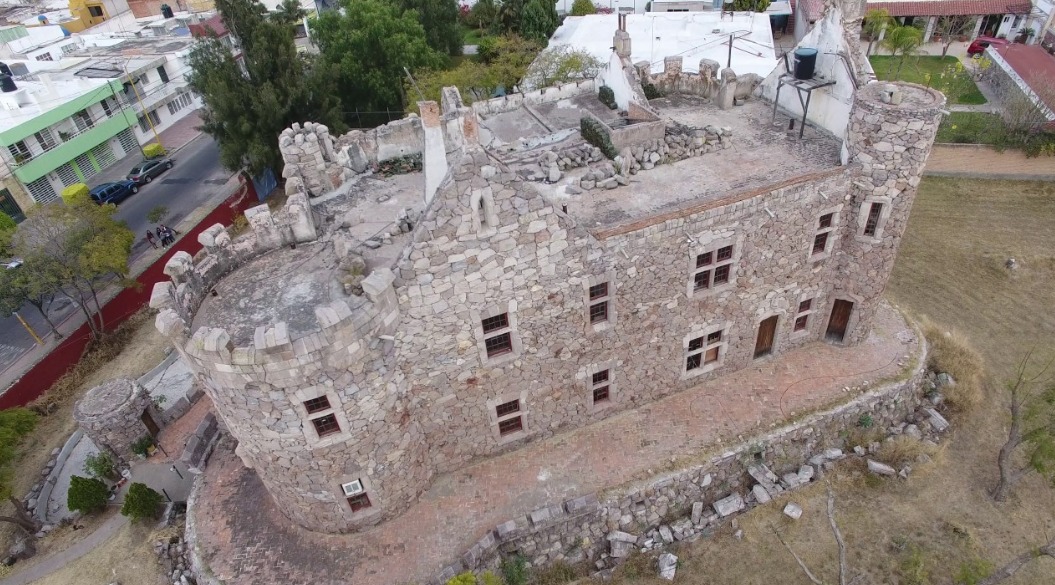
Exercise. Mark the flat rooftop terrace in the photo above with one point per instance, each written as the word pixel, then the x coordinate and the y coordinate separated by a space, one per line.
pixel 761 154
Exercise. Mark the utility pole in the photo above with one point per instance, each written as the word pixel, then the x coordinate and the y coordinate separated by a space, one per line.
pixel 142 107
pixel 124 114
pixel 29 329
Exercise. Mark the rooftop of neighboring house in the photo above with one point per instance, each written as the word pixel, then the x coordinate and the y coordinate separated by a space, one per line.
pixel 1035 66
pixel 950 7
pixel 44 86
pixel 690 35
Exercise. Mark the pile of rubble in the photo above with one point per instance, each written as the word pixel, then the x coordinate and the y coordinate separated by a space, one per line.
pixel 175 560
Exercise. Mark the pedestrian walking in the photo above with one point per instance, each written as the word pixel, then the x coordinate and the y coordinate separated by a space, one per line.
pixel 168 229
pixel 152 240
pixel 161 236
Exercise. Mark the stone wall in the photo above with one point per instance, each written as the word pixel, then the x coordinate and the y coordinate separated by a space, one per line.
pixel 111 415
pixel 706 84
pixel 515 101
pixel 601 529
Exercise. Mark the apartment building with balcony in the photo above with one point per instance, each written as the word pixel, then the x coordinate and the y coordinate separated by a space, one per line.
pixel 64 121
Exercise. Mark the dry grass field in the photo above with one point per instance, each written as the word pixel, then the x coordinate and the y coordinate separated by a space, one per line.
pixel 940 527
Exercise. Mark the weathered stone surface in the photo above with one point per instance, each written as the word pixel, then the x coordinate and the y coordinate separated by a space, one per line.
pixel 668 566
pixel 729 505
pixel 761 494
pixel 878 468
pixel 937 420
pixel 793 511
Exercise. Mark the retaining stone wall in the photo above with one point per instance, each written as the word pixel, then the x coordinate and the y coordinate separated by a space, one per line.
pixel 575 530
pixel 514 101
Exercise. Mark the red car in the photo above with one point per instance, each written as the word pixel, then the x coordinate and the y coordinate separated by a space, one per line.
pixel 979 45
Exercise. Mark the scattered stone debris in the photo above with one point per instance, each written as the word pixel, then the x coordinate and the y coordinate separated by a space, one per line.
pixel 668 565
pixel 878 468
pixel 793 511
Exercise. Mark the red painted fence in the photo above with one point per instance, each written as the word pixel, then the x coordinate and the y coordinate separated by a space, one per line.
pixel 130 300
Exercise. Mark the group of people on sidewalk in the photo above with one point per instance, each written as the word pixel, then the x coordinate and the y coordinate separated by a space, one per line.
pixel 165 234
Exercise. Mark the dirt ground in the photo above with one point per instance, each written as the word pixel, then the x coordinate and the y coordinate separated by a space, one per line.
pixel 128 558
pixel 145 350
pixel 940 527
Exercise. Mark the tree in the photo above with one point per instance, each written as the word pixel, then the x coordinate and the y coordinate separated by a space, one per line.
pixel 902 41
pixel 31 284
pixel 141 502
pixel 289 12
pixel 22 518
pixel 583 7
pixel 560 65
pixel 86 495
pixel 439 18
pixel 951 27
pixel 369 45
pixel 249 101
pixel 74 248
pixel 474 80
pixel 539 19
pixel 1032 432
pixel 876 20
pixel 482 15
pixel 1012 567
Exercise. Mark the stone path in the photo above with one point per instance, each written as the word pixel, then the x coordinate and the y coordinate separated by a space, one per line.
pixel 63 558
pixel 984 162
pixel 245 539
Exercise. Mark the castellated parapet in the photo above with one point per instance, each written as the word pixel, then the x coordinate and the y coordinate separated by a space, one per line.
pixel 355 353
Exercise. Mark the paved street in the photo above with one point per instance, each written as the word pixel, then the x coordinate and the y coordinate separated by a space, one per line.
pixel 195 179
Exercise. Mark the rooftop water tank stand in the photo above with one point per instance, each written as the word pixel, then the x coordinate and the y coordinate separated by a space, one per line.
pixel 803 87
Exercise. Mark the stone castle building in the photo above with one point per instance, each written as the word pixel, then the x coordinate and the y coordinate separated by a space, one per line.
pixel 376 332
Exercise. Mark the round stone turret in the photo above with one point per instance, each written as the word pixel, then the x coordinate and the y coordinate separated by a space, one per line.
pixel 117 414
pixel 888 139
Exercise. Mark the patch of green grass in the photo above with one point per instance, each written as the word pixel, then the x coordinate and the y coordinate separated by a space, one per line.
pixel 926 70
pixel 970 128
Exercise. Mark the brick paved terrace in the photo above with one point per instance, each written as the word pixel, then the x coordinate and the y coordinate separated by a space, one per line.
pixel 244 539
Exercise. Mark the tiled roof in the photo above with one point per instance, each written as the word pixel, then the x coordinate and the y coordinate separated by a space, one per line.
pixel 214 25
pixel 1035 66
pixel 953 7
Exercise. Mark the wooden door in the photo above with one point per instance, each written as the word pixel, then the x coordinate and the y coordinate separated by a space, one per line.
pixel 150 424
pixel 839 319
pixel 767 330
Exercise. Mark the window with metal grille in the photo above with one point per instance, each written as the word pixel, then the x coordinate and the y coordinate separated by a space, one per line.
pixel 492 324
pixel 44 57
pixel 802 316
pixel 359 502
pixel 9 206
pixel 498 339
pixel 510 417
pixel 104 155
pixel 19 151
pixel 704 350
pixel 42 191
pixel 507 408
pixel 822 235
pixel 801 322
pixel 712 268
pixel 108 108
pixel 44 137
pixel 600 386
pixel 872 223
pixel 128 141
pixel 83 120
pixel 164 75
pixel 84 163
pixel 510 425
pixel 67 176
pixel 317 404
pixel 598 294
pixel 95 11
pixel 326 425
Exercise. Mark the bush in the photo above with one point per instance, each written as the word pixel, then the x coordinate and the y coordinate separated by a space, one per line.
pixel 466 578
pixel 650 91
pixel 596 134
pixel 950 353
pixel 558 573
pixel 514 570
pixel 142 446
pixel 607 97
pixel 101 465
pixel 583 7
pixel 86 495
pixel 141 502
pixel 14 424
pixel 489 578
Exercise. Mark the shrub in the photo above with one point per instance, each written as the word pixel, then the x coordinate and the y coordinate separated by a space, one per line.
pixel 14 424
pixel 466 578
pixel 583 7
pixel 141 502
pixel 86 495
pixel 489 578
pixel 157 214
pixel 142 445
pixel 651 92
pixel 950 353
pixel 865 421
pixel 558 573
pixel 100 465
pixel 607 97
pixel 594 132
pixel 514 570
pixel 974 571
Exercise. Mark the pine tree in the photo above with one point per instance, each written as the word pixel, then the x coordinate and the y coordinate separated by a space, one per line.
pixel 439 18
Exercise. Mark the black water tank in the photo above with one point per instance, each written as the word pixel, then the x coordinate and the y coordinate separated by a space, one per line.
pixel 805 63
pixel 7 84
pixel 6 70
pixel 166 11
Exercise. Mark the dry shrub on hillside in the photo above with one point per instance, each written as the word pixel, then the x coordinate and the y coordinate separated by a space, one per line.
pixel 904 450
pixel 951 353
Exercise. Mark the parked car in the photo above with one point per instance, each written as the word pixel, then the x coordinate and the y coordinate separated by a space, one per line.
pixel 145 171
pixel 115 192
pixel 979 45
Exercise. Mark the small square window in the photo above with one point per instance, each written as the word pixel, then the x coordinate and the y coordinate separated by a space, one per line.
pixel 510 425
pixel 600 377
pixel 360 502
pixel 317 404
pixel 714 337
pixel 721 274
pixel 711 355
pixel 703 259
pixel 507 408
pixel 800 323
pixel 499 344
pixel 599 312
pixel 598 291
pixel 696 344
pixel 693 361
pixel 495 323
pixel 825 221
pixel 702 280
pixel 600 394
pixel 820 243
pixel 725 253
pixel 326 425
pixel 872 223
pixel 805 305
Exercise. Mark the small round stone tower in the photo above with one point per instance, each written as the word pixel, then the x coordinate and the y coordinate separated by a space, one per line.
pixel 889 137
pixel 290 341
pixel 117 414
